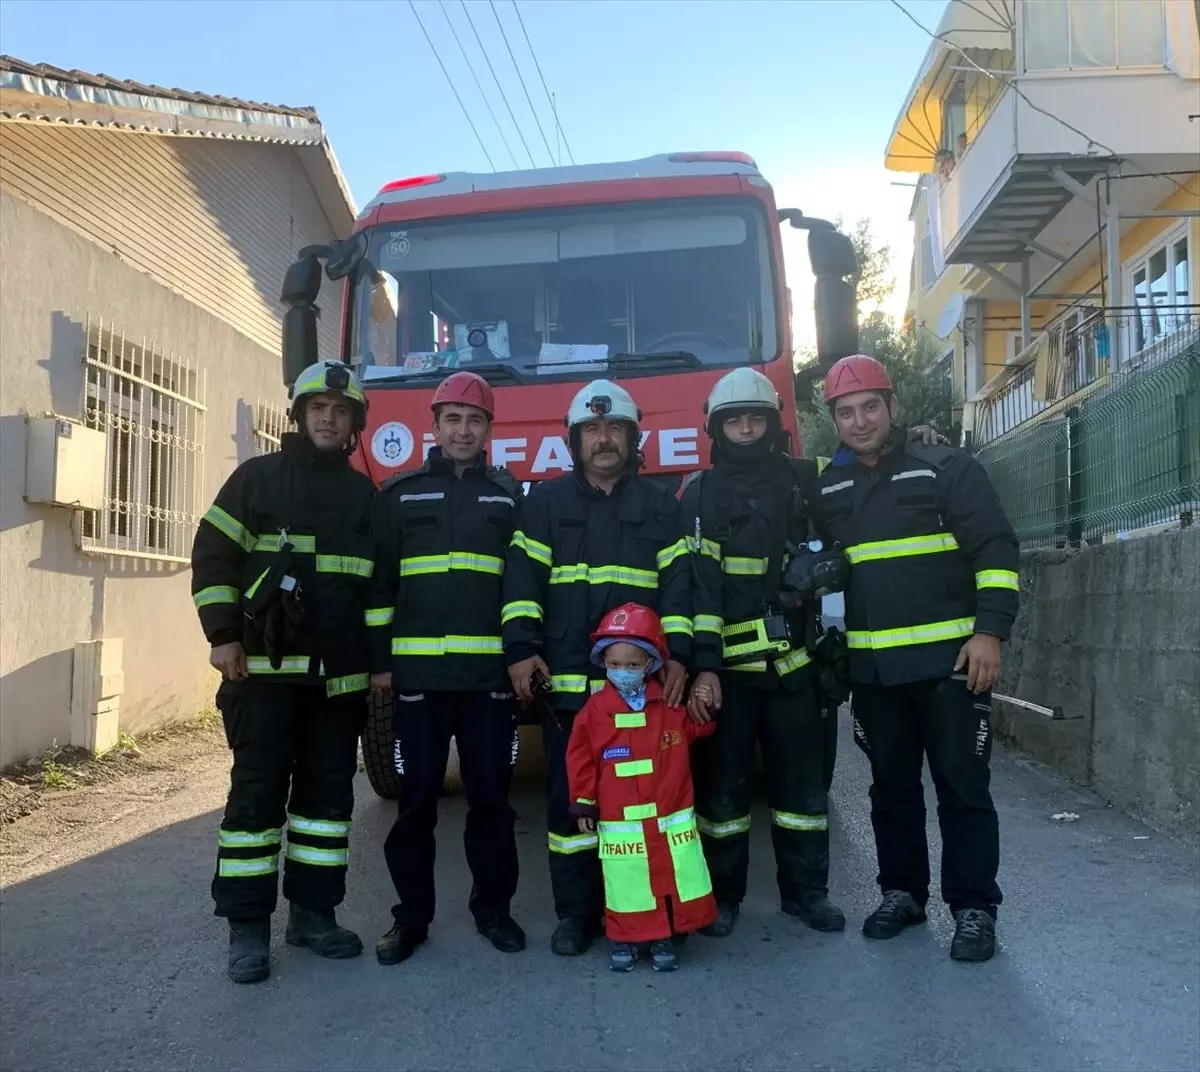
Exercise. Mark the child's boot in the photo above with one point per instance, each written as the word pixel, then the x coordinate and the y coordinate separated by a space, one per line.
pixel 662 955
pixel 623 957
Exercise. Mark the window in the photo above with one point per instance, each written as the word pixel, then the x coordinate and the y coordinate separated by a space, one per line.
pixel 270 424
pixel 1081 34
pixel 954 116
pixel 929 273
pixel 1160 288
pixel 152 408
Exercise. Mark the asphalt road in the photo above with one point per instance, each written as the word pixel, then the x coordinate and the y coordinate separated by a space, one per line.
pixel 114 962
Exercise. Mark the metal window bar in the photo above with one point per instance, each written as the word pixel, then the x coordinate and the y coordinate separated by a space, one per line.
pixel 152 407
pixel 270 424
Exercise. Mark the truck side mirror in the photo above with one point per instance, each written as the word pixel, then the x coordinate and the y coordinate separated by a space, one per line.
pixel 836 300
pixel 301 285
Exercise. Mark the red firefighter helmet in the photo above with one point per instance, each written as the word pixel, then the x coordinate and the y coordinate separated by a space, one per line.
pixel 632 622
pixel 467 389
pixel 856 373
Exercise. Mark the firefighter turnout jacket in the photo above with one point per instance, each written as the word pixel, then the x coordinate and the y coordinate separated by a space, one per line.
pixel 440 543
pixel 739 520
pixel 300 514
pixel 630 770
pixel 932 557
pixel 577 554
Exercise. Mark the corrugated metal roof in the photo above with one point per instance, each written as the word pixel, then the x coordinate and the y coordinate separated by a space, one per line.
pixel 121 85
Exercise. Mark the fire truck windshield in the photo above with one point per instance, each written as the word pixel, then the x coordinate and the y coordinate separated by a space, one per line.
pixel 560 292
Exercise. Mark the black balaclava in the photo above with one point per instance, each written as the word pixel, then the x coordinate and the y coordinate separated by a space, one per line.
pixel 743 455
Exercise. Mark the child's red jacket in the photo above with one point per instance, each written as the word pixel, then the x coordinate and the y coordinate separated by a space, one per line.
pixel 631 771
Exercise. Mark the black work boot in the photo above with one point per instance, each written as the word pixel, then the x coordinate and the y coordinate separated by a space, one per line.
pixel 400 943
pixel 249 950
pixel 722 926
pixel 503 932
pixel 974 935
pixel 573 936
pixel 817 911
pixel 318 929
pixel 897 911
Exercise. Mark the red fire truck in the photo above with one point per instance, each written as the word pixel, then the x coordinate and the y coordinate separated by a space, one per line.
pixel 662 273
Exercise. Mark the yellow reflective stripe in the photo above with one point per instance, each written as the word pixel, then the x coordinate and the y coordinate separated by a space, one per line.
pixel 707 623
pixel 454 560
pixel 447 645
pixel 569 682
pixel 757 666
pixel 379 615
pixel 305 545
pixel 214 594
pixel 640 811
pixel 744 567
pixel 914 634
pixel 520 608
pixel 586 802
pixel 343 686
pixel 581 571
pixel 261 865
pixel 230 526
pixel 257 581
pixel 671 552
pixel 290 664
pixel 609 826
pixel 539 552
pixel 572 844
pixel 723 830
pixel 335 828
pixel 997 578
pixel 595 686
pixel 792 661
pixel 821 463
pixel 355 567
pixel 683 817
pixel 676 623
pixel 244 839
pixel 629 720
pixel 791 821
pixel 709 547
pixel 913 545
pixel 633 767
pixel 306 854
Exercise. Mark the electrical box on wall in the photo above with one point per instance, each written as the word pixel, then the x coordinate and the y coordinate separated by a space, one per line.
pixel 64 463
pixel 96 688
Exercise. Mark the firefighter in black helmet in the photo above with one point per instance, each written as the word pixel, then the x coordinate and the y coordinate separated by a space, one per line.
pixel 281 565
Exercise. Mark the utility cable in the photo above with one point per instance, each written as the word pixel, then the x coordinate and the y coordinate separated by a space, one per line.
pixel 450 82
pixel 503 97
pixel 549 96
pixel 521 79
pixel 478 85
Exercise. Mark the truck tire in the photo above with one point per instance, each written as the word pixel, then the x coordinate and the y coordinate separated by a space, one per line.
pixel 379 748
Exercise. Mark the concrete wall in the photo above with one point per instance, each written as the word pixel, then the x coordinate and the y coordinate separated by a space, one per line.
pixel 52 595
pixel 1111 635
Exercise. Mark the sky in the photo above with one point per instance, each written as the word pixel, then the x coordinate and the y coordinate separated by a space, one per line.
pixel 810 88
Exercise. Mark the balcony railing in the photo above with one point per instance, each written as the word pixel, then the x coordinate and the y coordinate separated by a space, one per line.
pixel 1076 352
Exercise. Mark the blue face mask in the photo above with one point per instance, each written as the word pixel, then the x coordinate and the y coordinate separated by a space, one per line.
pixel 626 680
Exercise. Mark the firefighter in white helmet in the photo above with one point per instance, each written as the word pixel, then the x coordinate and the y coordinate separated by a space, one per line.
pixel 589 541
pixel 755 640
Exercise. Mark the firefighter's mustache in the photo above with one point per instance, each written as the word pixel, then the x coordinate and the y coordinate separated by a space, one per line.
pixel 606 448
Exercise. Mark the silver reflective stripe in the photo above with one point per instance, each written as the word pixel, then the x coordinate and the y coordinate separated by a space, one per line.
pixel 337 828
pixel 410 697
pixel 305 854
pixel 501 695
pixel 240 839
pixel 496 498
pixel 263 865
pixel 423 496
pixel 837 487
pixel 909 473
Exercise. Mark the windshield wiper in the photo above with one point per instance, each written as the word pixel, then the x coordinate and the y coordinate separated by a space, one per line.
pixel 661 359
pixel 496 374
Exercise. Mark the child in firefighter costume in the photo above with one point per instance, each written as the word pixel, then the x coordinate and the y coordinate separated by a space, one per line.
pixel 630 778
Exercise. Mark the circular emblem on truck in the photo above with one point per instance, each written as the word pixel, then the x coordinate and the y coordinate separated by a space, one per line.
pixel 392 444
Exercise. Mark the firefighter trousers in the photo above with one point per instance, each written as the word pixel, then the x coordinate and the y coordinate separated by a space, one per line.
pixel 484 725
pixel 790 726
pixel 897 726
pixel 295 752
pixel 574 856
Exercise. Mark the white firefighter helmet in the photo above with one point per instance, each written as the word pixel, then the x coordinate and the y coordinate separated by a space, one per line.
pixel 602 398
pixel 740 390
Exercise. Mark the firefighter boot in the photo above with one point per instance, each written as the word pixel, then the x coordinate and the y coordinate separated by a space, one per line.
pixel 503 932
pixel 400 943
pixel 817 911
pixel 249 950
pixel 573 936
pixel 722 926
pixel 896 911
pixel 974 935
pixel 318 929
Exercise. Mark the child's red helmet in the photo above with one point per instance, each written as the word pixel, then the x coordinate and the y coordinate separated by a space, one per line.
pixel 631 622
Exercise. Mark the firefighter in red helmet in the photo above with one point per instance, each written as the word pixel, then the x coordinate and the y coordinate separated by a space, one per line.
pixel 932 594
pixel 630 782
pixel 442 532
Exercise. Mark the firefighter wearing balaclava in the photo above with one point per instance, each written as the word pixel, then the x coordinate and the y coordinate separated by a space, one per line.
pixel 280 570
pixel 588 541
pixel 754 642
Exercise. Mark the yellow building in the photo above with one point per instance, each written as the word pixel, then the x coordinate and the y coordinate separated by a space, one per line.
pixel 1057 210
